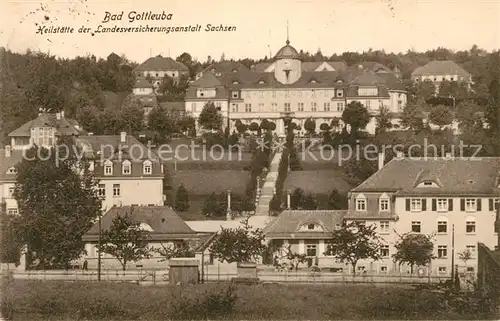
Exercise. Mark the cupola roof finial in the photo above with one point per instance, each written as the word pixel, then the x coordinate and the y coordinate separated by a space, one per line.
pixel 287 34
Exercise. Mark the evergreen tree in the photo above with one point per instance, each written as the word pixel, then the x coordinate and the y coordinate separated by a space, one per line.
pixel 181 199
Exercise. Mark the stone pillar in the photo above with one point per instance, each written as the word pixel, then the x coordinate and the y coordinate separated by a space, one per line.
pixel 288 199
pixel 228 205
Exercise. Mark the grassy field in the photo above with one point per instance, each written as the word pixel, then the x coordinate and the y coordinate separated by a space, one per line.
pixel 105 301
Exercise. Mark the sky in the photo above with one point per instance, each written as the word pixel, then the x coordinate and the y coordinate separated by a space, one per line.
pixel 334 26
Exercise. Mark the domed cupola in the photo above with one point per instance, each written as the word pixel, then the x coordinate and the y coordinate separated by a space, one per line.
pixel 288 67
pixel 287 52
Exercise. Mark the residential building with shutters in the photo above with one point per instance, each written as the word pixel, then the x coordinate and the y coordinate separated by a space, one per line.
pixel 452 199
pixel 290 88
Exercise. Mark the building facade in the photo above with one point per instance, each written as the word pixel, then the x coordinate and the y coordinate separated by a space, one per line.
pixel 128 172
pixel 439 71
pixel 284 89
pixel 451 199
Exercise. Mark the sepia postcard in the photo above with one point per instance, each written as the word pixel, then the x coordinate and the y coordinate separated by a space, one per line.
pixel 241 160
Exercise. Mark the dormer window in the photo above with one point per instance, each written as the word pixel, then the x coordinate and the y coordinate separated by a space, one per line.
pixel 313 81
pixel 428 183
pixel 384 205
pixel 261 82
pixel 310 226
pixel 235 82
pixel 235 94
pixel 12 170
pixel 361 203
pixel 147 167
pixel 235 70
pixel 340 93
pixel 126 167
pixel 108 168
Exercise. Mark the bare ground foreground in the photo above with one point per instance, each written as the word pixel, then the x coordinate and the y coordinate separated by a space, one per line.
pixel 53 300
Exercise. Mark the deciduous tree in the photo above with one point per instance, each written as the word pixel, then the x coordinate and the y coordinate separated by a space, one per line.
pixel 58 202
pixel 242 245
pixel 414 249
pixel 383 119
pixel 310 126
pixel 210 117
pixel 125 240
pixel 178 249
pixel 441 116
pixel 356 115
pixel 337 201
pixel 353 242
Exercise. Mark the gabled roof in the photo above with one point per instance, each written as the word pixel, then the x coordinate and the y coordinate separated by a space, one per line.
pixel 440 67
pixel 62 125
pixel 225 66
pixel 160 63
pixel 16 156
pixel 142 83
pixel 163 220
pixel 456 176
pixel 288 223
pixel 207 80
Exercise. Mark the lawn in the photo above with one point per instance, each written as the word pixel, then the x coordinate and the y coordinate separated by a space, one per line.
pixel 53 300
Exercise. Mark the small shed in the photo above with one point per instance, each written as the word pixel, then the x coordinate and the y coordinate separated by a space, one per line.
pixel 184 271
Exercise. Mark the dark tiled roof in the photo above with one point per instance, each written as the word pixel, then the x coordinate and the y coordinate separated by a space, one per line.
pixel 288 223
pixel 457 176
pixel 372 208
pixel 142 83
pixel 6 163
pixel 352 91
pixel 225 66
pixel 207 80
pixel 62 125
pixel 164 222
pixel 160 63
pixel 443 67
pixel 103 147
pixel 305 66
pixel 287 52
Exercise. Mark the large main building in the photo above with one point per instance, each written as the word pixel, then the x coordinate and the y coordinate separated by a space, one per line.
pixel 288 87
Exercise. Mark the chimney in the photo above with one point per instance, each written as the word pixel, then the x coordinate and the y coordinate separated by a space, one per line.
pixel 7 151
pixel 123 137
pixel 58 116
pixel 381 159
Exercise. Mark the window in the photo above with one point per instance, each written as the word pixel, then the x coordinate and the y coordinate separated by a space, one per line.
pixel 442 204
pixel 311 249
pixel 470 227
pixel 340 106
pixel 313 106
pixel 384 205
pixel 102 190
pixel 442 269
pixel 218 105
pixel 274 94
pixel 147 167
pixel 235 94
pixel 310 226
pixel 380 104
pixel 11 191
pixel 126 168
pixel 12 211
pixel 416 205
pixel 472 250
pixel 340 93
pixel 451 79
pixel 361 268
pixel 416 227
pixel 287 107
pixel 108 168
pixel 442 251
pixel 313 93
pixel 300 107
pixel 383 269
pixel 327 106
pixel 442 227
pixel 193 107
pixel 274 107
pixel 12 170
pixel 116 189
pixel 470 269
pixel 261 93
pixel 234 108
pixel 384 250
pixel 248 108
pixel 287 94
pixel 261 107
pixel 470 204
pixel 367 104
pixel 428 183
pixel 384 227
pixel 361 205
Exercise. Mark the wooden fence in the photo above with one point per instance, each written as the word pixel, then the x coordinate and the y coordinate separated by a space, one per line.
pixel 162 277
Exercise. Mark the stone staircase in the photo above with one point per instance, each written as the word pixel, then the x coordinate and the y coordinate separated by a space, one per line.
pixel 266 193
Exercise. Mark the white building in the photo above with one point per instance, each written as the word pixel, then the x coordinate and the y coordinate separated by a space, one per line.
pixel 438 71
pixel 284 89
